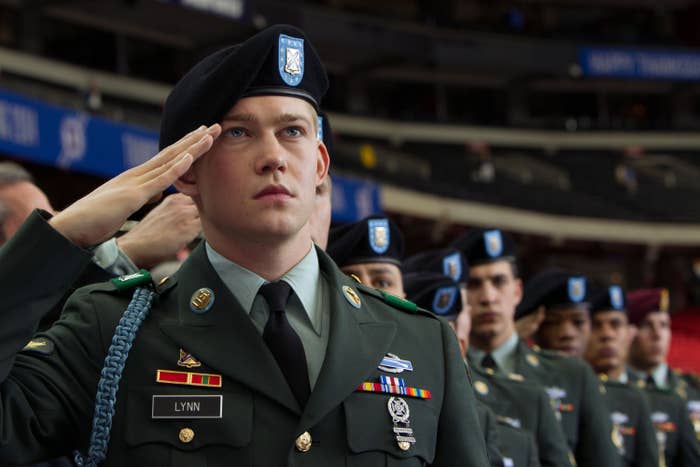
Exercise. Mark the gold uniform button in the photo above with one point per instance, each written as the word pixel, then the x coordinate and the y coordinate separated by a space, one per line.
pixel 303 442
pixel 186 435
pixel 404 445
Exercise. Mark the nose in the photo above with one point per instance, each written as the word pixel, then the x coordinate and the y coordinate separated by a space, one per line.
pixel 272 156
pixel 487 293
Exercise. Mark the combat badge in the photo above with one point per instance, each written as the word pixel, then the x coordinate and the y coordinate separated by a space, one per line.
pixel 400 417
pixel 393 364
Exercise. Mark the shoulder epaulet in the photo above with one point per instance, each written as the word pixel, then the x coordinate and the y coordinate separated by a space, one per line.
pixel 130 281
pixel 392 300
pixel 692 378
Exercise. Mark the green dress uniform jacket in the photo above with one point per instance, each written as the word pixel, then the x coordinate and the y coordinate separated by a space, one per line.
pixel 48 390
pixel 489 426
pixel 687 386
pixel 522 404
pixel 518 446
pixel 675 435
pixel 633 434
pixel 575 393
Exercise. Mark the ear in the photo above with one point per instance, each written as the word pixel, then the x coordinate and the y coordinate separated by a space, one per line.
pixel 323 163
pixel 187 183
pixel 518 290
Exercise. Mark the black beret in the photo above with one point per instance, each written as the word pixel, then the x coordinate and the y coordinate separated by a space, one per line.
pixel 374 239
pixel 434 292
pixel 641 302
pixel 611 298
pixel 553 287
pixel 482 246
pixel 279 60
pixel 446 261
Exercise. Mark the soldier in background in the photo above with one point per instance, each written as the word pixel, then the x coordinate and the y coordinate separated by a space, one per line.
pixel 668 391
pixel 518 405
pixel 494 292
pixel 608 347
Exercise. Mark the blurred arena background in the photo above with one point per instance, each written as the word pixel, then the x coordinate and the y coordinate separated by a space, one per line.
pixel 572 124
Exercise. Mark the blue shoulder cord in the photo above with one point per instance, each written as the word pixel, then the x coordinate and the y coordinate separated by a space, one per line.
pixel 106 397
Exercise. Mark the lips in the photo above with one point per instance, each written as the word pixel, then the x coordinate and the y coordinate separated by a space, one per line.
pixel 274 191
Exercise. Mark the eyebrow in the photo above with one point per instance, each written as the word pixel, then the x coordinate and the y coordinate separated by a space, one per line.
pixel 381 270
pixel 283 118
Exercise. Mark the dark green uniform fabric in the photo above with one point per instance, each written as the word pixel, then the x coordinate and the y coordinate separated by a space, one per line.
pixel 518 446
pixel 687 386
pixel 48 396
pixel 525 405
pixel 674 432
pixel 489 427
pixel 574 392
pixel 633 434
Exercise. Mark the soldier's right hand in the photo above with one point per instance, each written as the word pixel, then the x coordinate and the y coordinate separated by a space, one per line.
pixel 97 216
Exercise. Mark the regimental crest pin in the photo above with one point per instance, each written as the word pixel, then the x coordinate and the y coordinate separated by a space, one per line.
pixel 443 299
pixel 493 242
pixel 187 360
pixel 351 296
pixel 291 59
pixel 577 289
pixel 615 292
pixel 379 237
pixel 452 267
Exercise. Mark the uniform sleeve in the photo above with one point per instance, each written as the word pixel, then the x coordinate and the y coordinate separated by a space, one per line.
pixel 47 399
pixel 37 267
pixel 595 447
pixel 553 447
pixel 460 440
pixel 646 448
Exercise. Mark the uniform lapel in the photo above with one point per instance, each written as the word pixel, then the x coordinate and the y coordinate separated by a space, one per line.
pixel 356 344
pixel 527 362
pixel 224 338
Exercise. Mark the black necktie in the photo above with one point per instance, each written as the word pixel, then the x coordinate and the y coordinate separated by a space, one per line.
pixel 283 342
pixel 650 381
pixel 489 363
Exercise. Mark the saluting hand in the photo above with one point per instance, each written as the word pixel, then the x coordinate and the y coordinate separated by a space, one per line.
pixel 168 228
pixel 97 216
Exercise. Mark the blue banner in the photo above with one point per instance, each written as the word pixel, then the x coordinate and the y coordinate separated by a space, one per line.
pixel 354 199
pixel 51 135
pixel 639 63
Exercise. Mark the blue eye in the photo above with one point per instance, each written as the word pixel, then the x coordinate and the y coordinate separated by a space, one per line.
pixel 236 132
pixel 293 131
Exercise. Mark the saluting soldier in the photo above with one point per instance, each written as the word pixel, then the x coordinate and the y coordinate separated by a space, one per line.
pixel 494 291
pixel 517 404
pixel 677 442
pixel 259 350
pixel 650 350
pixel 608 347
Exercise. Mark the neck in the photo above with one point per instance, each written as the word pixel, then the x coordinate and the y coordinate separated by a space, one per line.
pixel 646 367
pixel 489 343
pixel 268 258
